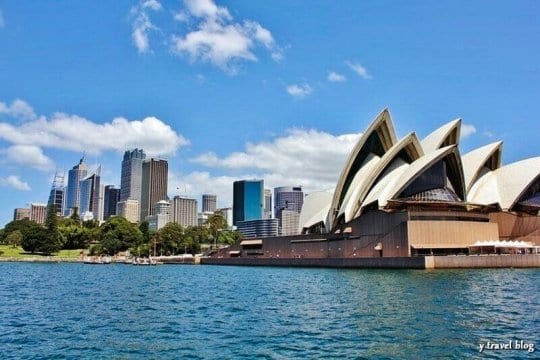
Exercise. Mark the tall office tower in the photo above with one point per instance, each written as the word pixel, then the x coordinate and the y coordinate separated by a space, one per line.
pixel 129 209
pixel 287 198
pixel 75 175
pixel 209 203
pixel 111 199
pixel 153 185
pixel 131 177
pixel 248 200
pixel 21 214
pixel 161 216
pixel 56 196
pixel 90 196
pixel 38 213
pixel 267 203
pixel 290 221
pixel 185 211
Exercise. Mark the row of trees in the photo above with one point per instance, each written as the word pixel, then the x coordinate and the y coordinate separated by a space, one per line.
pixel 114 235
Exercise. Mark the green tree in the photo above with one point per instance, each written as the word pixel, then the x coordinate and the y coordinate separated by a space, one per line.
pixel 144 227
pixel 22 225
pixel 15 238
pixel 75 215
pixel 33 238
pixel 119 229
pixel 52 241
pixel 171 238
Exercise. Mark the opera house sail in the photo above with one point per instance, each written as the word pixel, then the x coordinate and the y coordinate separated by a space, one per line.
pixel 412 197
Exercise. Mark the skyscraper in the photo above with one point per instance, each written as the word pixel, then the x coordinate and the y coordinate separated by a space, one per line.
pixel 21 213
pixel 91 197
pixel 75 175
pixel 248 200
pixel 287 198
pixel 209 203
pixel 153 185
pixel 185 211
pixel 56 196
pixel 267 203
pixel 131 177
pixel 38 213
pixel 111 199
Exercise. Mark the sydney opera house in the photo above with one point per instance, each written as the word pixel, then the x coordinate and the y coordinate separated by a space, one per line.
pixel 412 197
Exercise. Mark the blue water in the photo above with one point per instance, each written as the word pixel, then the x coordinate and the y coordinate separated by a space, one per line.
pixel 170 312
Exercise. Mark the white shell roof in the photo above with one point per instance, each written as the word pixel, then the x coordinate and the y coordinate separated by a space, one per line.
pixel 315 208
pixel 377 169
pixel 506 184
pixel 383 121
pixel 475 159
pixel 435 140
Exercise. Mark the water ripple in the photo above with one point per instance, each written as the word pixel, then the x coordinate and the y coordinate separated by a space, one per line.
pixel 201 312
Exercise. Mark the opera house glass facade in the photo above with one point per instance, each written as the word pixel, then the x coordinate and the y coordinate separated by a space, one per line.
pixel 410 196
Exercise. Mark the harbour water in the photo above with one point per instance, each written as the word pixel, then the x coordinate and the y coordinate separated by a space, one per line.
pixel 122 311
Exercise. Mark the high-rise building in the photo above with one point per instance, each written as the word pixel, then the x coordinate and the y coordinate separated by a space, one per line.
pixel 248 200
pixel 129 209
pixel 289 223
pixel 260 228
pixel 227 214
pixel 110 202
pixel 21 214
pixel 75 175
pixel 185 211
pixel 267 203
pixel 131 177
pixel 287 198
pixel 38 213
pixel 56 196
pixel 153 185
pixel 91 197
pixel 161 215
pixel 209 203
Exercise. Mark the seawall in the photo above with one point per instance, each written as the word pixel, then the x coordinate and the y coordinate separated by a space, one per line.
pixel 428 262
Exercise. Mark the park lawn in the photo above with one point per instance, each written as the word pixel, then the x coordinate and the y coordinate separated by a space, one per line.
pixel 18 252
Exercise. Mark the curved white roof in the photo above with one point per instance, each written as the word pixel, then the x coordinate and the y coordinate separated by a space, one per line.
pixel 505 185
pixel 409 143
pixel 474 160
pixel 437 138
pixel 315 208
pixel 362 177
pixel 414 170
pixel 381 192
pixel 383 127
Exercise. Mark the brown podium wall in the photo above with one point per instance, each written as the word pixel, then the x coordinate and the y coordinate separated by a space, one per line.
pixel 513 226
pixel 449 234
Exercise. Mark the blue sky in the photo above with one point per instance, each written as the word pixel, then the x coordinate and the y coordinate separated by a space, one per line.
pixel 277 90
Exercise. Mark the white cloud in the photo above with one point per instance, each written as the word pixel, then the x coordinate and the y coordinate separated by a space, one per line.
pixel 18 109
pixel 218 40
pixel 28 155
pixel 196 183
pixel 304 157
pixel 75 133
pixel 358 69
pixel 467 130
pixel 151 4
pixel 14 182
pixel 335 77
pixel 299 91
pixel 142 25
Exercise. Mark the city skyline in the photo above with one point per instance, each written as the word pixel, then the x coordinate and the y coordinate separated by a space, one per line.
pixel 284 106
